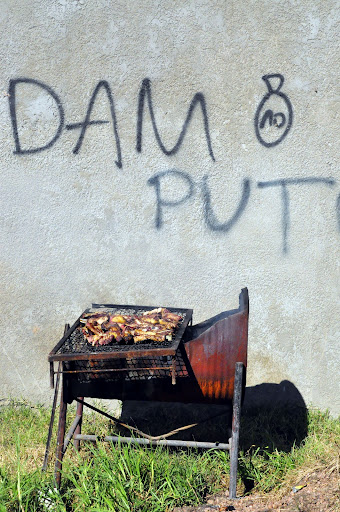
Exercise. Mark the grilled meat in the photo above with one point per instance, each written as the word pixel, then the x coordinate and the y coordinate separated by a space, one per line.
pixel 155 325
pixel 94 323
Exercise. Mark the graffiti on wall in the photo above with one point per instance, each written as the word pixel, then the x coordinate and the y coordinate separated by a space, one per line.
pixel 273 121
pixel 82 126
pixel 271 124
pixel 186 188
pixel 144 98
pixel 275 111
pixel 198 100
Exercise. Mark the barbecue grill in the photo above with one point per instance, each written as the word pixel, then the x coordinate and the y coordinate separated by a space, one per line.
pixel 202 363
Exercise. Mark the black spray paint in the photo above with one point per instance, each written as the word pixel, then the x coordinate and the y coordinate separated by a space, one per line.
pixel 185 181
pixel 72 126
pixel 186 186
pixel 145 91
pixel 155 181
pixel 83 125
pixel 198 99
pixel 278 119
pixel 13 113
pixel 210 218
pixel 264 117
pixel 285 200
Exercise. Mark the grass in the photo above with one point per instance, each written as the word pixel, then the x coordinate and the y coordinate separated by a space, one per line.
pixel 137 479
pixel 268 468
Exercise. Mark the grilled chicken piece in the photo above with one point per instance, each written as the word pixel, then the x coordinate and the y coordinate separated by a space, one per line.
pixel 85 331
pixel 126 332
pixel 153 312
pixel 150 320
pixel 159 334
pixel 119 319
pixel 93 339
pixel 103 338
pixel 167 324
pixel 94 323
pixel 106 338
pixel 144 337
pixel 172 317
pixel 106 326
pixel 116 333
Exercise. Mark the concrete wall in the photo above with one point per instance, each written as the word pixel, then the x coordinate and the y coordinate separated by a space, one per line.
pixel 196 177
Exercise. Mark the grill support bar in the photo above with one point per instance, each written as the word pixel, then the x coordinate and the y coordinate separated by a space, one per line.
pixel 78 429
pixel 132 369
pixel 173 371
pixel 162 442
pixel 70 433
pixel 49 435
pixel 55 398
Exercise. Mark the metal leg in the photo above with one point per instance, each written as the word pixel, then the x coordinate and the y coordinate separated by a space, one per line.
pixel 55 398
pixel 235 428
pixel 80 407
pixel 60 439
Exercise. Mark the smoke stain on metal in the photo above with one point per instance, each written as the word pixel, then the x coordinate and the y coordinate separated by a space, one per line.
pixel 214 353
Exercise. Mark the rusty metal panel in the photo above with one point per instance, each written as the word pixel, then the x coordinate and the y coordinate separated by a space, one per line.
pixel 213 355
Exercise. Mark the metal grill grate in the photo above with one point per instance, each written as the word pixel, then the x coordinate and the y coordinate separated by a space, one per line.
pixel 74 345
pixel 128 369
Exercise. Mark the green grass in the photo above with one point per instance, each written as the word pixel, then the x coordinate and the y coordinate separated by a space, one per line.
pixel 133 478
pixel 268 468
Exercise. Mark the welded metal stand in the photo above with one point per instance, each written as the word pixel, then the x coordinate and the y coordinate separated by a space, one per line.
pixel 75 433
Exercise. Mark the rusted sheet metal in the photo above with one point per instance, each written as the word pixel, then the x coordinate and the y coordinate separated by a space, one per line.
pixel 213 355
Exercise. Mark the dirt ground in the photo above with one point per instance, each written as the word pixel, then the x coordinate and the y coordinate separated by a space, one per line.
pixel 320 494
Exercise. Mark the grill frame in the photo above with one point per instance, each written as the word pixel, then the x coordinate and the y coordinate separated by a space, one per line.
pixel 210 361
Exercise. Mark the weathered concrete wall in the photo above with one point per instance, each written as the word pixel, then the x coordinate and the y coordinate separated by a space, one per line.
pixel 108 212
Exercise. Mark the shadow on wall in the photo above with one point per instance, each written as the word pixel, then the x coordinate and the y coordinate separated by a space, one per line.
pixel 274 416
